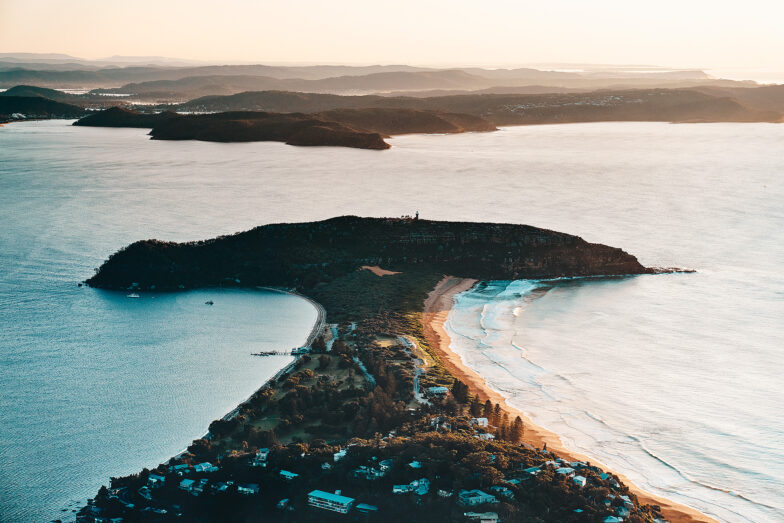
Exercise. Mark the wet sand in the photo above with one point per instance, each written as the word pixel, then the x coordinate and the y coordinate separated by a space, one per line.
pixel 437 306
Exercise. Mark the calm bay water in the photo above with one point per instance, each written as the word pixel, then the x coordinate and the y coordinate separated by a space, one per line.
pixel 672 379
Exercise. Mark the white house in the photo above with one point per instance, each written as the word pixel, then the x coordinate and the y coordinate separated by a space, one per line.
pixel 502 491
pixel 187 484
pixel 328 501
pixel 474 497
pixel 415 465
pixel 205 467
pixel 288 476
pixel 480 422
pixel 579 480
pixel 260 460
pixel 437 391
pixel 337 456
pixel 567 471
pixel 421 486
pixel 248 489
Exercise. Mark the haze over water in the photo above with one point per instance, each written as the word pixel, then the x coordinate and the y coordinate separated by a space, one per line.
pixel 685 368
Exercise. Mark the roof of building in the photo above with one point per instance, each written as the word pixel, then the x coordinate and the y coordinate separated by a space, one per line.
pixel 329 496
pixel 365 506
pixel 288 474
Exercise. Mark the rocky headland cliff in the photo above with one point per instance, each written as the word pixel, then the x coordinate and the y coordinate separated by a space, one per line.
pixel 303 255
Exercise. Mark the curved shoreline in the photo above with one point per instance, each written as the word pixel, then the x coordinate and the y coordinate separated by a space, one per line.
pixel 436 310
pixel 318 326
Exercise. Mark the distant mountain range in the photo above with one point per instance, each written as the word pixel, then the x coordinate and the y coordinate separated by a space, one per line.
pixel 167 80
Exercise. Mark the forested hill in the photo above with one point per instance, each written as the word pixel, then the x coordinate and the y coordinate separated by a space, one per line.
pixel 305 254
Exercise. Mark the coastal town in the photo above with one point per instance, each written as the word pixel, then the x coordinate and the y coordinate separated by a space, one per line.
pixel 381 477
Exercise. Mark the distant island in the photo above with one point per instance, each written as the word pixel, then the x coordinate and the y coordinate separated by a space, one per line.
pixel 375 419
pixel 360 128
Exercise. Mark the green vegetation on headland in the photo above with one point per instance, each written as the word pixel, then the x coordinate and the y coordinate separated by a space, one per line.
pixel 358 413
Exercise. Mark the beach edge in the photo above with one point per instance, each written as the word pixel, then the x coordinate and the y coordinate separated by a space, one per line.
pixel 437 307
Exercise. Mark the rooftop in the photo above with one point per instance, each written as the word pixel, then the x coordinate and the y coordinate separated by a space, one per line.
pixel 329 496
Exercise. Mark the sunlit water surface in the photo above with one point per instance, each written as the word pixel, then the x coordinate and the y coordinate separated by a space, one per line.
pixel 674 380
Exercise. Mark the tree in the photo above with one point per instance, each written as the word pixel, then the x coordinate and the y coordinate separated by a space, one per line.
pixel 496 415
pixel 488 412
pixel 319 345
pixel 324 361
pixel 476 407
pixel 517 430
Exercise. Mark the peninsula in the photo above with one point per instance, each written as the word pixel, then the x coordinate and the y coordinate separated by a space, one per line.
pixel 360 128
pixel 374 406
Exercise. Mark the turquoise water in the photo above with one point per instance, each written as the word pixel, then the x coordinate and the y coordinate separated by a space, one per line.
pixel 680 369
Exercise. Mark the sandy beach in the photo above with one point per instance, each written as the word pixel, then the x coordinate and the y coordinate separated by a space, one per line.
pixel 436 309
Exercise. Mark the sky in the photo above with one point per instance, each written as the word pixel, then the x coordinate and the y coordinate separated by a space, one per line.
pixel 682 33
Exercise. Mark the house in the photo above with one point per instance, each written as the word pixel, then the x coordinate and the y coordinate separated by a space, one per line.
pixel 421 486
pixel 155 481
pixel 401 489
pixel 369 473
pixel 325 466
pixel 145 493
pixel 205 467
pixel 474 497
pixel 199 487
pixel 415 465
pixel 612 519
pixel 283 503
pixel 337 456
pixel 187 484
pixel 364 508
pixel 288 476
pixel 248 489
pixel 180 469
pixel 482 517
pixel 437 391
pixel 445 493
pixel 386 464
pixel 568 471
pixel 328 501
pixel 579 480
pixel 485 436
pixel 622 512
pixel 532 470
pixel 502 491
pixel 480 422
pixel 260 460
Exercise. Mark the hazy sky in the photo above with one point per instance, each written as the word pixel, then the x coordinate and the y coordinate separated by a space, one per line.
pixel 680 33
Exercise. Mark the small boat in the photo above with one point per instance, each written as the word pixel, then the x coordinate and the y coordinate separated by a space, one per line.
pixel 209 302
pixel 133 295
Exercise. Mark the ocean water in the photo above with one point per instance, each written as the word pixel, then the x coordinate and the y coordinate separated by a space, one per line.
pixel 672 379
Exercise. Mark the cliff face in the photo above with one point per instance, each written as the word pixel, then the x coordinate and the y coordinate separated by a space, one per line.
pixel 305 254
